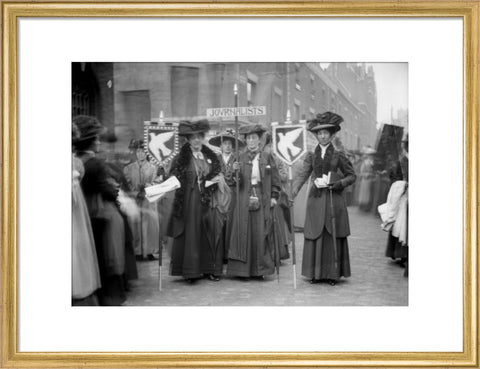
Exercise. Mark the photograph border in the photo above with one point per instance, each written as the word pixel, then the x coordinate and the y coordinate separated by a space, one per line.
pixel 468 11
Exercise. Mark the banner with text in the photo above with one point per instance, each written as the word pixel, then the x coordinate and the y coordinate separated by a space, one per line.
pixel 244 111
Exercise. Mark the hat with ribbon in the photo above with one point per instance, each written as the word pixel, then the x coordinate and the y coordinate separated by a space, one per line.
pixel 252 128
pixel 89 127
pixel 328 120
pixel 228 135
pixel 187 128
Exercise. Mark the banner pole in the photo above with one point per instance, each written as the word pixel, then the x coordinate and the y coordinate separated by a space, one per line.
pixel 292 223
pixel 237 181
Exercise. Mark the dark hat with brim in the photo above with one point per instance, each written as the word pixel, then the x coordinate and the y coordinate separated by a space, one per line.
pixel 135 144
pixel 328 120
pixel 225 136
pixel 187 128
pixel 88 127
pixel 252 128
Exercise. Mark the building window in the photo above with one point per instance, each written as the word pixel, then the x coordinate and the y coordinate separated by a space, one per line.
pixel 297 77
pixel 251 88
pixel 80 103
pixel 277 105
pixel 296 111
pixel 184 90
pixel 136 109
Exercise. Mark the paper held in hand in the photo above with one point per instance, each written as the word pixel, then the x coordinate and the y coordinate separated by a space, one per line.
pixel 156 192
pixel 326 180
pixel 321 182
pixel 211 182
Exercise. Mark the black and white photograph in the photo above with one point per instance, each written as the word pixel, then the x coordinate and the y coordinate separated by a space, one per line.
pixel 240 184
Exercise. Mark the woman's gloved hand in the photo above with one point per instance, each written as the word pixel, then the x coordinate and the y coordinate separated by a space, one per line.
pixel 336 186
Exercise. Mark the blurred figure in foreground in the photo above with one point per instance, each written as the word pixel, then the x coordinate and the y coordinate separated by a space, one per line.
pixel 85 271
pixel 395 211
pixel 101 190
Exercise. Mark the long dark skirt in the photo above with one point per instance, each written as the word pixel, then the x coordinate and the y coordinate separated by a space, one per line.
pixel 227 227
pixel 109 234
pixel 318 258
pixel 395 250
pixel 192 256
pixel 259 257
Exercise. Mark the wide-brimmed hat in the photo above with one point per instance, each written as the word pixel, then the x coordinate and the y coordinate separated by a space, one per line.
pixel 327 120
pixel 187 128
pixel 88 126
pixel 252 128
pixel 228 135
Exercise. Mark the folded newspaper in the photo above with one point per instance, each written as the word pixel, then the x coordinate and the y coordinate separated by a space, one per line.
pixel 156 192
pixel 321 182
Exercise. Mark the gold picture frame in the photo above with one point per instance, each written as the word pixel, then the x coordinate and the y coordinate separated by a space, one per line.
pixel 468 11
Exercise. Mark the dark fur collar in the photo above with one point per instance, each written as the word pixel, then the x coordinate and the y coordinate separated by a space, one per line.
pixel 323 166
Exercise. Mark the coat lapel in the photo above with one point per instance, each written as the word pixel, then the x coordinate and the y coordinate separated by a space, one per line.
pixel 262 162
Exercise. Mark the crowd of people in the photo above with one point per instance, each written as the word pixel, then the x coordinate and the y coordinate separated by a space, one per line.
pixel 230 215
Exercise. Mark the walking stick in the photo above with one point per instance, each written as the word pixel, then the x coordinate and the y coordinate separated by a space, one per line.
pixel 334 230
pixel 292 225
pixel 160 266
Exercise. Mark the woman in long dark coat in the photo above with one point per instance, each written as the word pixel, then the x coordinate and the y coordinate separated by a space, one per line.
pixel 227 143
pixel 192 254
pixel 250 253
pixel 319 262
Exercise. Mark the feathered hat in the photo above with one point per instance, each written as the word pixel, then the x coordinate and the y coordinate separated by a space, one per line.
pixel 187 128
pixel 327 120
pixel 224 136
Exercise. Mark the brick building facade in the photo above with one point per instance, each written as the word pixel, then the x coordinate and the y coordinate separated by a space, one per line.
pixel 124 95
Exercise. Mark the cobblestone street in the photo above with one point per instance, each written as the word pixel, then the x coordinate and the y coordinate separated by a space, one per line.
pixel 375 281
